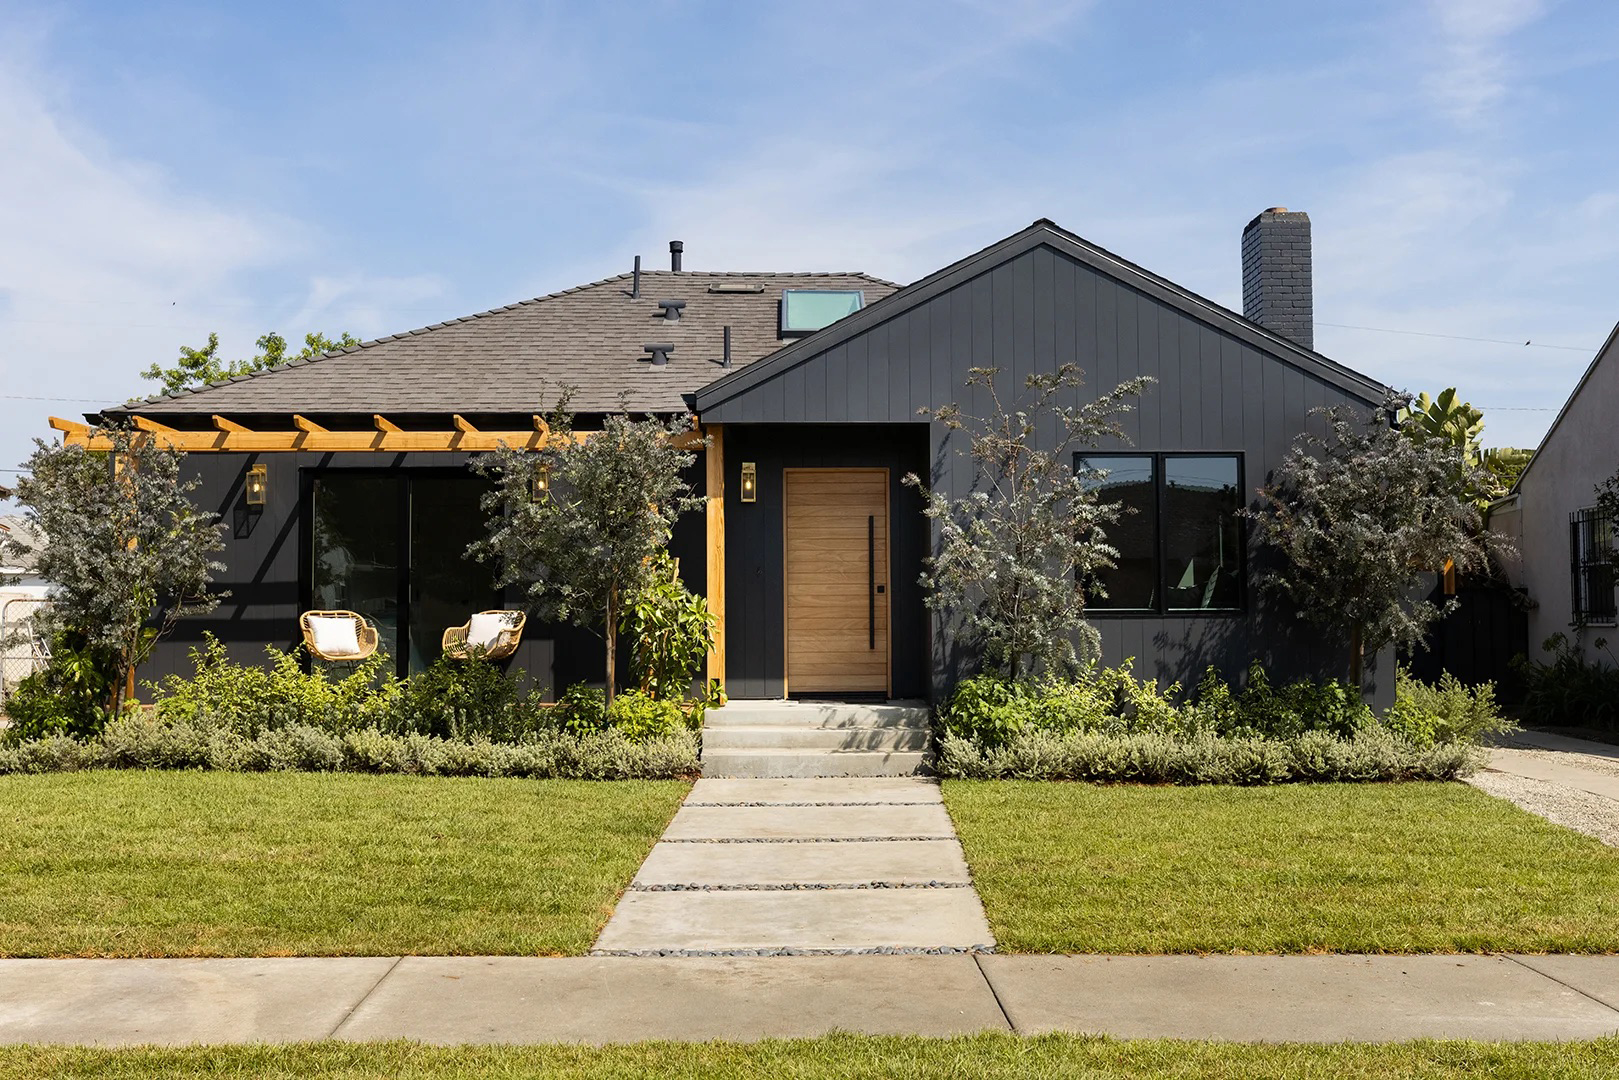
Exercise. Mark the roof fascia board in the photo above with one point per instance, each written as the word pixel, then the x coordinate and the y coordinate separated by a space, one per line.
pixel 1105 262
pixel 1590 369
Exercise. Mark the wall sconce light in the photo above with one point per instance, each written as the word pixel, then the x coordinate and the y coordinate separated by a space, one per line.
pixel 258 484
pixel 542 480
pixel 750 482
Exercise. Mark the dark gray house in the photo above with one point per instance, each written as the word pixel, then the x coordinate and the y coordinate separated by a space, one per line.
pixel 344 478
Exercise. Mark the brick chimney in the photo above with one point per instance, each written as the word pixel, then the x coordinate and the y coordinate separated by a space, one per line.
pixel 1276 279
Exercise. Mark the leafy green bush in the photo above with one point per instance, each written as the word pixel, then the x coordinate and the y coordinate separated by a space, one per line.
pixel 581 709
pixel 146 740
pixel 671 630
pixel 1263 710
pixel 1112 701
pixel 1570 691
pixel 457 698
pixel 1446 712
pixel 248 698
pixel 70 696
pixel 1372 755
pixel 639 717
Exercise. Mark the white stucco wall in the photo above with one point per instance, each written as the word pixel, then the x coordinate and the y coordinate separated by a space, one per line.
pixel 1580 451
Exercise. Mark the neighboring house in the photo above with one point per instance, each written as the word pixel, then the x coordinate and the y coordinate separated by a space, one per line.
pixel 1551 516
pixel 809 386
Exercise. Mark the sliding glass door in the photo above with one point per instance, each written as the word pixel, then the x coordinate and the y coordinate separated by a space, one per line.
pixel 392 547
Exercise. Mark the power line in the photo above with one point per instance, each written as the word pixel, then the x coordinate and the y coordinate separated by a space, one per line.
pixel 1459 337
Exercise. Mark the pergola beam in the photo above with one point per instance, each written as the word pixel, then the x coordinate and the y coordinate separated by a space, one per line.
pixel 228 436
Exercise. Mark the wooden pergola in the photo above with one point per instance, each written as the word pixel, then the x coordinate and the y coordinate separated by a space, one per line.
pixel 384 436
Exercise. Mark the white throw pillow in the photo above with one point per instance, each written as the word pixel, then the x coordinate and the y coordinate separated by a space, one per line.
pixel 484 629
pixel 335 635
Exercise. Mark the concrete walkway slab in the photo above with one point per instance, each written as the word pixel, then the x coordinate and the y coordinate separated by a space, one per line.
pixel 831 790
pixel 894 862
pixel 169 1002
pixel 1556 772
pixel 1594 976
pixel 832 919
pixel 810 822
pixel 1292 999
pixel 604 1000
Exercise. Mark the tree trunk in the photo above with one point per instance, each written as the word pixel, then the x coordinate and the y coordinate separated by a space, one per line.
pixel 612 640
pixel 1357 656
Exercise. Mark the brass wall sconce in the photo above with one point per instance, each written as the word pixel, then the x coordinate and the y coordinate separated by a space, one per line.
pixel 750 482
pixel 258 484
pixel 542 481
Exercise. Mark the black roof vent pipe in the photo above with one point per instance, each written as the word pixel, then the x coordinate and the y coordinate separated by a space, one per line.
pixel 635 282
pixel 676 249
pixel 660 353
pixel 727 361
pixel 671 309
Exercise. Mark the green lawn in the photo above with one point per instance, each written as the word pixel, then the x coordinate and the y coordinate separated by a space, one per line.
pixel 1288 869
pixel 230 864
pixel 837 1056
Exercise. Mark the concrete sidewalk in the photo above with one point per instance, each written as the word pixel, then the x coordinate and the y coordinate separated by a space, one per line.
pixel 625 999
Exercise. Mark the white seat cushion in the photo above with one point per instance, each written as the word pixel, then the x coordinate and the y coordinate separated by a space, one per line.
pixel 484 629
pixel 335 635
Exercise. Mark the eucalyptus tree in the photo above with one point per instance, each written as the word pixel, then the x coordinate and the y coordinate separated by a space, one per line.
pixel 1017 555
pixel 125 551
pixel 1359 515
pixel 577 523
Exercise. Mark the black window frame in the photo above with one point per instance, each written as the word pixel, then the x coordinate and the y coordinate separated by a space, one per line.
pixel 1161 609
pixel 1589 565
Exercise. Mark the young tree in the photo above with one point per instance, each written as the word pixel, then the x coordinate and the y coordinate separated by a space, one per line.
pixel 126 552
pixel 577 522
pixel 1359 516
pixel 1018 555
pixel 198 367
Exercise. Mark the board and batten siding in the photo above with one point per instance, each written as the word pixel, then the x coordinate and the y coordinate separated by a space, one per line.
pixel 1039 310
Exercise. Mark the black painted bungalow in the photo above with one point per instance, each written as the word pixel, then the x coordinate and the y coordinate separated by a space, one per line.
pixel 344 479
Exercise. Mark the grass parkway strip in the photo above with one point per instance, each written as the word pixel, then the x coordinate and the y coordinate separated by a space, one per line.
pixel 860 1057
pixel 1373 868
pixel 285 864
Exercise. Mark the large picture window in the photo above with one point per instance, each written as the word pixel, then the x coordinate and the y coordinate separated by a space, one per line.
pixel 1179 535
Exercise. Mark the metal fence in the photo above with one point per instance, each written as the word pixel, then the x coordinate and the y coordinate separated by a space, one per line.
pixel 21 651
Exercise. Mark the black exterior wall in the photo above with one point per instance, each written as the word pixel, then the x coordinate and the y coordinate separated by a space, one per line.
pixel 267 559
pixel 1222 387
pixel 754 615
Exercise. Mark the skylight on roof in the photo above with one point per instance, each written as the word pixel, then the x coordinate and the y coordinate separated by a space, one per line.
pixel 804 311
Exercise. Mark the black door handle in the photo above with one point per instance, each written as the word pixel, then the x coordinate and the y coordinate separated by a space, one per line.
pixel 871 581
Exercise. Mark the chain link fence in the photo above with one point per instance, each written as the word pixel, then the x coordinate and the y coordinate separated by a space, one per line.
pixel 21 651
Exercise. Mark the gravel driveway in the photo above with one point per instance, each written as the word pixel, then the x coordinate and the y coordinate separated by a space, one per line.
pixel 1569 782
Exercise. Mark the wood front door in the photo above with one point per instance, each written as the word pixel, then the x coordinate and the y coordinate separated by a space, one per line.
pixel 836 532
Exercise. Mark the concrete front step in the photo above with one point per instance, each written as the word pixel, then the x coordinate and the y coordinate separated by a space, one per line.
pixel 816 714
pixel 815 738
pixel 840 790
pixel 764 763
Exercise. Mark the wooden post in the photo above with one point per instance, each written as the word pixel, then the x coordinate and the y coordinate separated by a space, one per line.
pixel 714 464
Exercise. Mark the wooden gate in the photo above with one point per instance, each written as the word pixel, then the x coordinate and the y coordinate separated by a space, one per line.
pixel 837 597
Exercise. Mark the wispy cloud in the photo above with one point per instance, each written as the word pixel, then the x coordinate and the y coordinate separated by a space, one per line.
pixel 1473 65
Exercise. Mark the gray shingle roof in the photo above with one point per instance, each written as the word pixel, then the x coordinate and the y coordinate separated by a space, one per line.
pixel 516 358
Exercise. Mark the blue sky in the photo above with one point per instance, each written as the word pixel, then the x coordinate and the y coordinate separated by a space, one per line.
pixel 175 168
